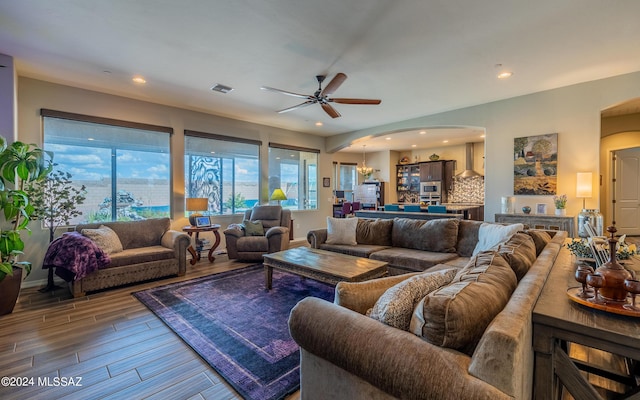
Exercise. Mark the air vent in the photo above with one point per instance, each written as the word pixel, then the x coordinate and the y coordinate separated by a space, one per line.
pixel 221 88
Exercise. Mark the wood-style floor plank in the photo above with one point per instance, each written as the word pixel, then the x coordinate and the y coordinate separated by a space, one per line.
pixel 111 340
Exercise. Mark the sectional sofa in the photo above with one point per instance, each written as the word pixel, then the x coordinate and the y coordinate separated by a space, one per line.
pixel 407 245
pixel 469 337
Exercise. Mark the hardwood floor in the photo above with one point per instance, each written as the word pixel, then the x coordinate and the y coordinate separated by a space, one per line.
pixel 119 348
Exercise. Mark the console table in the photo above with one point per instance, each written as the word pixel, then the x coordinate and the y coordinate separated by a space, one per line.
pixel 539 221
pixel 558 323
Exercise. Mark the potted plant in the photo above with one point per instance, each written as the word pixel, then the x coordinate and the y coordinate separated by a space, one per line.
pixel 20 164
pixel 55 200
pixel 561 204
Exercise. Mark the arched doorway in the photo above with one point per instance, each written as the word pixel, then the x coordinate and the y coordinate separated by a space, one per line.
pixel 620 166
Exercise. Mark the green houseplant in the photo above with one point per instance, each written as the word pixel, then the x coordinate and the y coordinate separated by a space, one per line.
pixel 20 165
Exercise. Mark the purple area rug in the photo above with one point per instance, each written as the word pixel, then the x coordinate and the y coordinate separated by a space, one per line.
pixel 238 327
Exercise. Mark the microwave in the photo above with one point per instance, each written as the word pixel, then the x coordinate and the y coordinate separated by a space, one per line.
pixel 430 188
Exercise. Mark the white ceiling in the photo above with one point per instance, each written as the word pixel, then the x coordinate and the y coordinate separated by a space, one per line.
pixel 419 56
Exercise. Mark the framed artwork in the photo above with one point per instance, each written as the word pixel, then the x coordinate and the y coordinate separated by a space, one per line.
pixel 326 182
pixel 203 222
pixel 541 208
pixel 535 165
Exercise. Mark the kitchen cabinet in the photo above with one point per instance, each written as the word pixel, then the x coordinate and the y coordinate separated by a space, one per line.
pixel 431 171
pixel 441 171
pixel 408 178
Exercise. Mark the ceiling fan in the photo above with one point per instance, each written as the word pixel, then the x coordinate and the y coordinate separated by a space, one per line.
pixel 322 96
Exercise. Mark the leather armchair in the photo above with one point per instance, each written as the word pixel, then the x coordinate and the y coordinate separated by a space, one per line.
pixel 275 221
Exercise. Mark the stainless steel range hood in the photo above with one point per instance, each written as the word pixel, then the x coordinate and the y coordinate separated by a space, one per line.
pixel 468 172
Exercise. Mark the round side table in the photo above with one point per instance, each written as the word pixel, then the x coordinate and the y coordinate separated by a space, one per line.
pixel 195 253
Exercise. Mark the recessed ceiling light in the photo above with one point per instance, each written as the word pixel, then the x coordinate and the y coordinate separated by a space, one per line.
pixel 423 132
pixel 445 141
pixel 319 123
pixel 139 79
pixel 387 138
pixel 213 152
pixel 482 136
pixel 414 145
pixel 90 139
pixel 505 75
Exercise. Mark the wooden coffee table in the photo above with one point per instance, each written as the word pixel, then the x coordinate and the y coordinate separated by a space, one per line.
pixel 321 265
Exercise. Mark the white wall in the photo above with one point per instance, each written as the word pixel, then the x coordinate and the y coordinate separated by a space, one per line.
pixel 7 98
pixel 573 112
pixel 34 95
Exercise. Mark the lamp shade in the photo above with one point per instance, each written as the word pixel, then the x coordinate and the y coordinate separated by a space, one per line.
pixel 584 185
pixel 194 205
pixel 278 194
pixel 197 204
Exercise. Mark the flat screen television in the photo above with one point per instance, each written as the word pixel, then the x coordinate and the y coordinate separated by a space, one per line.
pixel 339 194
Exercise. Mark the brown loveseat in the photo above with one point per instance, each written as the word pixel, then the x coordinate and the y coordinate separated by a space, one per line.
pixel 347 355
pixel 151 250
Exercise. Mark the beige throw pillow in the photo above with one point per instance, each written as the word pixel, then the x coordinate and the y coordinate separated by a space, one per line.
pixel 341 231
pixel 396 305
pixel 490 235
pixel 105 238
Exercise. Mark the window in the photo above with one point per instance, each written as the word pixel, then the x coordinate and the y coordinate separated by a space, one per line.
pixel 295 171
pixel 346 178
pixel 224 170
pixel 120 160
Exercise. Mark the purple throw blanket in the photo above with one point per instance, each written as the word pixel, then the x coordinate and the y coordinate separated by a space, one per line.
pixel 74 256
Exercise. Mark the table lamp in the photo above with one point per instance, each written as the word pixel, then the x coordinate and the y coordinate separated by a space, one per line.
pixel 279 195
pixel 194 205
pixel 584 187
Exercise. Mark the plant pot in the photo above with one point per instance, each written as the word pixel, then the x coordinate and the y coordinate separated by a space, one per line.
pixel 561 211
pixel 9 291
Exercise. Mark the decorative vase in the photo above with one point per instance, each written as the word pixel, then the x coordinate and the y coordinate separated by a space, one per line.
pixel 561 211
pixel 526 209
pixel 614 274
pixel 434 157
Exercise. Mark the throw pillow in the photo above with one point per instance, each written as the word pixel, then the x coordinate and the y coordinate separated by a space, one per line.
pixel 456 315
pixel 105 238
pixel 490 235
pixel 396 304
pixel 341 231
pixel 374 231
pixel 439 235
pixel 520 253
pixel 540 239
pixel 253 228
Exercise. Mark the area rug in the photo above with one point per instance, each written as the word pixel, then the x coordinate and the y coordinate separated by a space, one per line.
pixel 238 327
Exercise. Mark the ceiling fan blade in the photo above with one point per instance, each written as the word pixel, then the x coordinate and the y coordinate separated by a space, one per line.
pixel 301 96
pixel 333 113
pixel 356 101
pixel 334 84
pixel 306 103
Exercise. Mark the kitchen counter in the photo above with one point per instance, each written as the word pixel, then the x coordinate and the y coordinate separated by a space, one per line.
pixel 472 211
